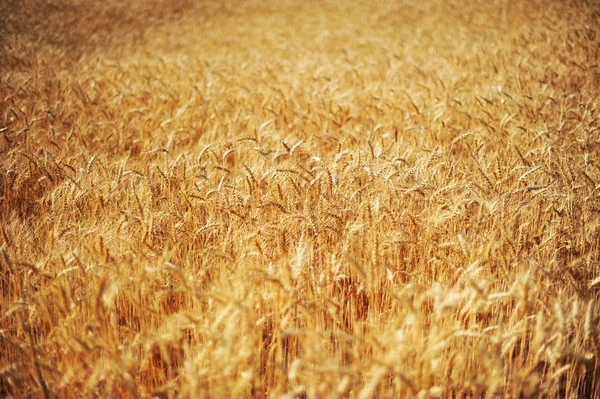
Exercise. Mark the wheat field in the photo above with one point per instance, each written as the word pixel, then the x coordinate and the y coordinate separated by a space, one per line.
pixel 284 199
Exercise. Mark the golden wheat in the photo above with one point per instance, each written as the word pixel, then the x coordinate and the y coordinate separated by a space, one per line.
pixel 284 199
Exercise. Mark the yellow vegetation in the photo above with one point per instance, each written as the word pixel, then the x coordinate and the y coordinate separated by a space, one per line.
pixel 315 199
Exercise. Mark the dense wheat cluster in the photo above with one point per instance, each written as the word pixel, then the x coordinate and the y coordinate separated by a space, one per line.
pixel 228 199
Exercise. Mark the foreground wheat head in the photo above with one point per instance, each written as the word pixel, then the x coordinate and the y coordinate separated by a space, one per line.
pixel 284 199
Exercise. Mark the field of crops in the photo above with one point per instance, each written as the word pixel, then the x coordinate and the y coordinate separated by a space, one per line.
pixel 316 199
